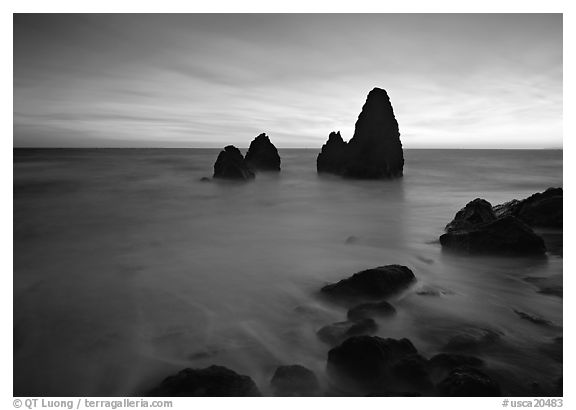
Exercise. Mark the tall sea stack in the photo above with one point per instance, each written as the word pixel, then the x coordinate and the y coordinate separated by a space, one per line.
pixel 263 155
pixel 375 150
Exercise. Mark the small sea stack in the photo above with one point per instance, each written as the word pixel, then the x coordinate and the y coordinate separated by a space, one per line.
pixel 375 150
pixel 262 155
pixel 231 164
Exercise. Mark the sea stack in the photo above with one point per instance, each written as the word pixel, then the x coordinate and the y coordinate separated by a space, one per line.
pixel 262 155
pixel 375 150
pixel 230 164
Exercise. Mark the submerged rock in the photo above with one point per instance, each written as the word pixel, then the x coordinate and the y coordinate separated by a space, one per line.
pixel 507 235
pixel 213 381
pixel 369 310
pixel 375 150
pixel 472 338
pixel 375 283
pixel 543 209
pixel 263 155
pixel 294 381
pixel 468 382
pixel 366 361
pixel 452 361
pixel 336 332
pixel 230 164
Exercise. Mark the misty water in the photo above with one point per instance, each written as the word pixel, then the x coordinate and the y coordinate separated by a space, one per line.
pixel 128 268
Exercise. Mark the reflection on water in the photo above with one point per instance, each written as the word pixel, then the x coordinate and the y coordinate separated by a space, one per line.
pixel 128 268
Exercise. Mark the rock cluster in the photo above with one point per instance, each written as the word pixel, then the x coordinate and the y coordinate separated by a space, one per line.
pixel 375 150
pixel 262 155
pixel 477 229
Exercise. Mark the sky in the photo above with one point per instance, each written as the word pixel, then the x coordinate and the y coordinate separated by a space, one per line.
pixel 210 80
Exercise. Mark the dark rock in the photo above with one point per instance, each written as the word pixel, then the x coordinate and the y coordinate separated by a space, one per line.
pixel 230 164
pixel 534 319
pixel 375 150
pixel 366 360
pixel 374 283
pixel 204 179
pixel 551 285
pixel 294 381
pixel 336 332
pixel 543 209
pixel 213 381
pixel 468 382
pixel 452 361
pixel 368 310
pixel 263 155
pixel 332 155
pixel 476 212
pixel 412 372
pixel 472 338
pixel 507 235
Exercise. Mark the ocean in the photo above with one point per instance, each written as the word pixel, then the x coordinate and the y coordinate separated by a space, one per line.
pixel 128 267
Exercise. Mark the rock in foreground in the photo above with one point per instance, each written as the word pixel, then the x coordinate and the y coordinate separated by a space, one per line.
pixel 263 155
pixel 468 382
pixel 374 283
pixel 543 209
pixel 294 381
pixel 230 164
pixel 213 381
pixel 506 235
pixel 370 310
pixel 366 362
pixel 375 150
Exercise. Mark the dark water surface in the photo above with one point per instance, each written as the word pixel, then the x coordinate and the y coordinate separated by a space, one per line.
pixel 127 268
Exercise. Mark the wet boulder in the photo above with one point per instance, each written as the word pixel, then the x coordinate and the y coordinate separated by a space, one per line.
pixel 370 310
pixel 451 361
pixel 213 381
pixel 230 164
pixel 376 283
pixel 507 235
pixel 337 332
pixel 294 381
pixel 365 362
pixel 411 373
pixel 543 209
pixel 375 150
pixel 476 212
pixel 262 155
pixel 468 382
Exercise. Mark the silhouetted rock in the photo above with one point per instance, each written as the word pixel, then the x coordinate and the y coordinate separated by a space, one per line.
pixel 365 361
pixel 543 209
pixel 263 155
pixel 468 382
pixel 230 164
pixel 213 381
pixel 476 212
pixel 333 154
pixel 507 235
pixel 369 310
pixel 375 150
pixel 294 381
pixel 337 332
pixel 373 283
